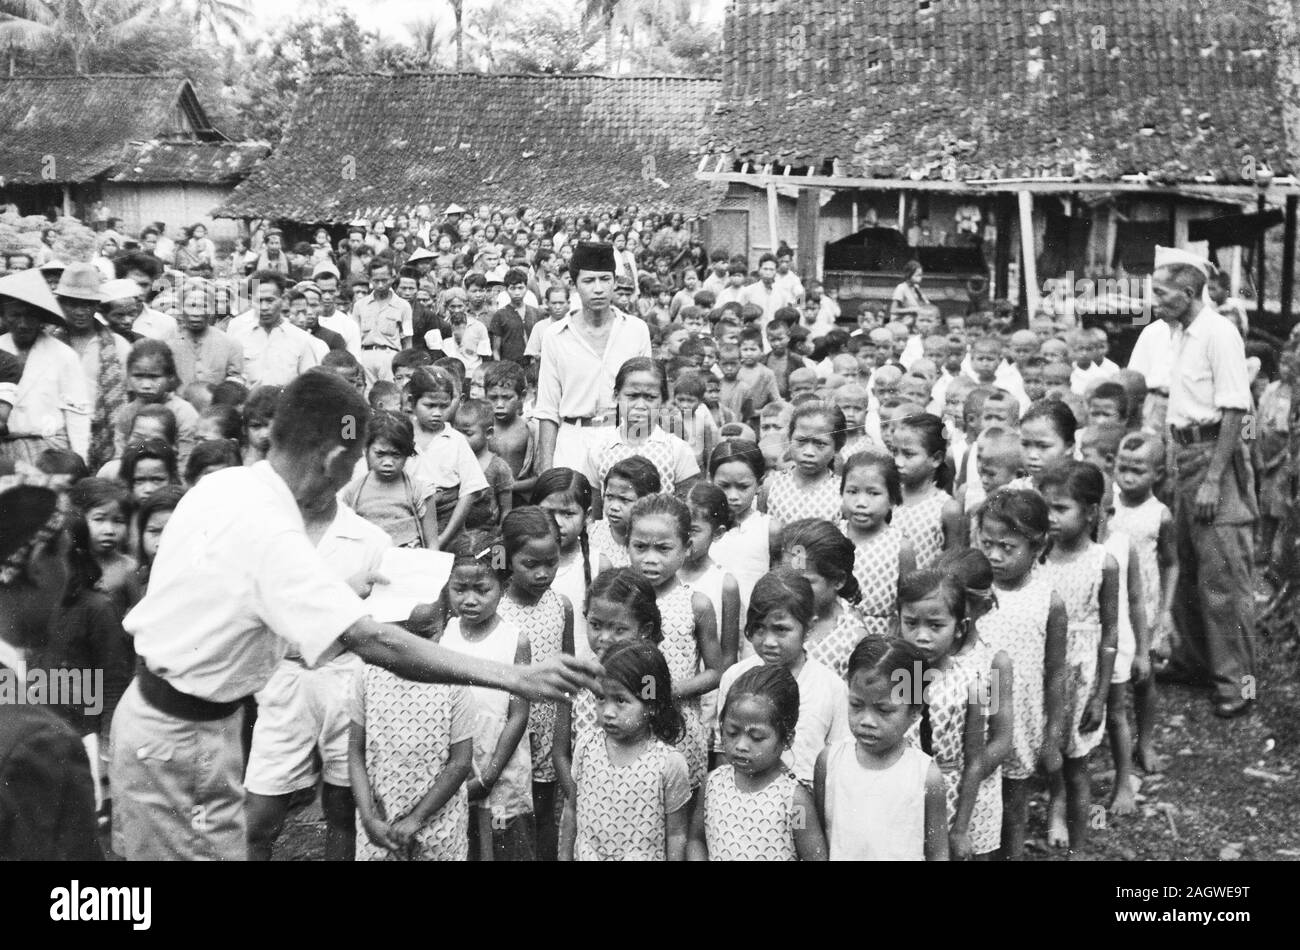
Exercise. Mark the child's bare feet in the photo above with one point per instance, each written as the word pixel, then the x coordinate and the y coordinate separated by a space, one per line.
pixel 1148 760
pixel 1123 801
pixel 1058 832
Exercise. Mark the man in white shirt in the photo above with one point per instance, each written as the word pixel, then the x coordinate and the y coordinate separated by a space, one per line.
pixel 331 317
pixel 1214 494
pixel 385 320
pixel 236 581
pixel 51 408
pixel 275 352
pixel 765 293
pixel 786 278
pixel 581 355
pixel 1150 357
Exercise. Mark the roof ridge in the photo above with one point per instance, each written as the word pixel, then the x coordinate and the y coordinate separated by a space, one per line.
pixel 47 76
pixel 549 77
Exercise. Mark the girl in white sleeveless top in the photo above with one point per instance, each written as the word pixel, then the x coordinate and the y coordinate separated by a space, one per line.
pixel 879 798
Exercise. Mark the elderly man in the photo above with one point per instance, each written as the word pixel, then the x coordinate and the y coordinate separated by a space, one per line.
pixel 236 582
pixel 1214 502
pixel 51 408
pixel 581 354
pixel 47 794
pixel 203 354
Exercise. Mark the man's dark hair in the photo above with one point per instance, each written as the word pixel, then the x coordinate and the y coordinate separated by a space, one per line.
pixel 475 280
pixel 302 248
pixel 411 358
pixel 515 276
pixel 505 373
pixel 127 261
pixel 704 299
pixel 269 277
pixel 409 271
pixel 319 409
pixel 769 256
pixel 378 262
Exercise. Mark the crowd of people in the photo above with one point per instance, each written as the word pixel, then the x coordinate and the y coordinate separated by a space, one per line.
pixel 736 576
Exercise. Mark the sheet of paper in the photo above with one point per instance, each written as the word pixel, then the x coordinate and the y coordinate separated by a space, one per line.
pixel 415 576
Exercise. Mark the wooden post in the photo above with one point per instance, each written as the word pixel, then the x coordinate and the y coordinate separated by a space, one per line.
pixel 1002 247
pixel 902 213
pixel 772 216
pixel 1259 265
pixel 1288 260
pixel 67 200
pixel 1029 265
pixel 1235 267
pixel 809 214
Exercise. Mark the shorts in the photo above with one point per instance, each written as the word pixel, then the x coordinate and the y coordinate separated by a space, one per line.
pixel 300 712
pixel 1126 649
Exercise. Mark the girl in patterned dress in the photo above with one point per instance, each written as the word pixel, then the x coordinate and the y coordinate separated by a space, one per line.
pixel 410 751
pixel 531 540
pixel 1087 578
pixel 1029 623
pixel 869 489
pixel 780 615
pixel 736 466
pixel 566 496
pixel 1047 433
pixel 620 606
pixel 878 796
pixel 933 618
pixel 641 389
pixel 710 519
pixel 627 481
pixel 818 551
pixel 927 516
pixel 500 794
pixel 631 788
pixel 754 808
pixel 809 489
pixel 659 538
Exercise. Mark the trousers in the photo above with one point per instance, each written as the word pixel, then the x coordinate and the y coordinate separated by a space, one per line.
pixel 1214 607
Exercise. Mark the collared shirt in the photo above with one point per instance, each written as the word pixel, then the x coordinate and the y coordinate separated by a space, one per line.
pixel 383 322
pixel 790 283
pixel 1208 374
pixel 235 582
pixel 156 325
pixel 771 300
pixel 276 357
pixel 575 380
pixel 51 401
pixel 447 461
pixel 534 347
pixel 1150 355
pixel 212 357
pixel 87 351
pixel 1082 380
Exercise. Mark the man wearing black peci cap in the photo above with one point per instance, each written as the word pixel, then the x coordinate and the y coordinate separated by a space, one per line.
pixel 581 355
pixel 235 583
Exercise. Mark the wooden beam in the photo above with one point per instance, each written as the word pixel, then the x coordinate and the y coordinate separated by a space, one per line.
pixel 1288 260
pixel 809 250
pixel 67 200
pixel 1260 275
pixel 773 216
pixel 1003 217
pixel 1029 266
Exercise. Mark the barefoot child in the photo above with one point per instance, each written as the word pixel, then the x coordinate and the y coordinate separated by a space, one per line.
pixel 512 439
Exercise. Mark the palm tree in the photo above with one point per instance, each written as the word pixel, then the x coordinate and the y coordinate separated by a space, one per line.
pixel 427 39
pixel 25 25
pixel 487 25
pixel 217 16
pixel 602 12
pixel 458 11
pixel 79 26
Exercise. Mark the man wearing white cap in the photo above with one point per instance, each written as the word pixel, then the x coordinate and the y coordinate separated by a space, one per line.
pixel 581 355
pixel 51 408
pixel 1214 492
pixel 102 354
pixel 1150 355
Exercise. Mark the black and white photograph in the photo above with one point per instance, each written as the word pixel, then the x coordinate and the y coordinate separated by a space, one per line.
pixel 651 430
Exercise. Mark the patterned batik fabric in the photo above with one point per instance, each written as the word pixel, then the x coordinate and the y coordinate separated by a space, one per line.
pixel 1142 524
pixel 543 622
pixel 833 650
pixel 922 523
pixel 787 501
pixel 1018 626
pixel 750 826
pixel 408 742
pixel 601 541
pixel 682 653
pixel 1078 581
pixel 621 811
pixel 875 567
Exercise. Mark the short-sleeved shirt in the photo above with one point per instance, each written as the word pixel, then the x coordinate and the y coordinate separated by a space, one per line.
pixel 383 322
pixel 447 461
pixel 507 324
pixel 573 379
pixel 1150 355
pixel 236 581
pixel 671 456
pixel 278 356
pixel 1208 374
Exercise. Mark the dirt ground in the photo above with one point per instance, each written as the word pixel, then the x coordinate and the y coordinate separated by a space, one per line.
pixel 1230 791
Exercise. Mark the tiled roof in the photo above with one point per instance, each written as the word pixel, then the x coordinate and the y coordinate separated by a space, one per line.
pixel 210 163
pixel 368 145
pixel 1177 89
pixel 73 128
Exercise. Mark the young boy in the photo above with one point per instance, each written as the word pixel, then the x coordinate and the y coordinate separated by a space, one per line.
pixel 697 429
pixel 734 393
pixel 774 420
pixel 1108 402
pixel 474 421
pixel 1055 351
pixel 692 318
pixel 713 401
pixel 1000 462
pixel 385 397
pixel 509 327
pixel 443 460
pixel 985 358
pixel 512 438
pixel 1099 444
pixel 999 410
pixel 1056 380
pixel 915 388
pixel 779 358
pixel 407 362
pixel 1031 376
pixel 803 380
pixel 852 400
pixel 1150 527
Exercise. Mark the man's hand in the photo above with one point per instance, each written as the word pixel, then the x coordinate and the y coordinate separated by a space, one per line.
pixel 362 582
pixel 1207 499
pixel 556 679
